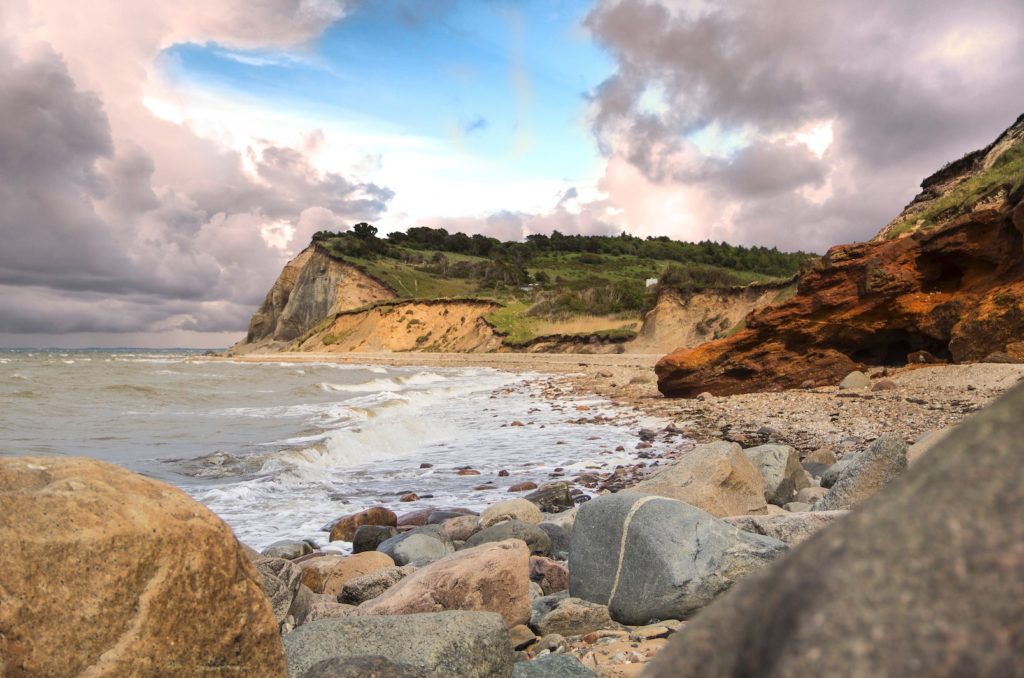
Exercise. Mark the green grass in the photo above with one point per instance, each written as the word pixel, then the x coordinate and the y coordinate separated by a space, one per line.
pixel 412 284
pixel 512 321
pixel 1006 173
pixel 573 272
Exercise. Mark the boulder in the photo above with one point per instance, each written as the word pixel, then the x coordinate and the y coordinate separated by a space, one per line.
pixel 329 609
pixel 552 497
pixel 552 666
pixel 510 509
pixel 809 495
pixel 369 586
pixel 925 443
pixel 552 577
pixel 649 557
pixel 818 461
pixel 369 537
pixel 923 579
pixel 797 507
pixel 854 381
pixel 372 666
pixel 790 528
pixel 780 467
pixel 568 617
pixel 416 518
pixel 329 573
pixel 564 520
pixel 419 546
pixel 280 580
pixel 536 538
pixel 304 601
pixel 492 578
pixel 831 475
pixel 450 644
pixel 868 472
pixel 521 636
pixel 438 517
pixel 101 567
pixel 559 540
pixel 344 529
pixel 460 528
pixel 716 477
pixel 289 550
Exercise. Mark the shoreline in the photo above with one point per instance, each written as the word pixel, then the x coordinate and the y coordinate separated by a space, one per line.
pixel 907 401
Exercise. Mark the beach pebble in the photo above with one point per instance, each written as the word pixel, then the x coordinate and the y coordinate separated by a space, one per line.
pixel 511 509
pixel 344 529
pixel 492 577
pixel 536 539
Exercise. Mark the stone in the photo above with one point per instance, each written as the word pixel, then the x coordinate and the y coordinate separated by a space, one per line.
pixel 304 601
pixel 510 509
pixel 830 476
pixel 780 467
pixel 280 580
pixel 923 580
pixel 551 576
pixel 552 666
pixel 373 666
pixel 450 644
pixel 460 528
pixel 420 545
pixel 369 537
pixel 439 517
pixel 329 573
pixel 650 557
pixel 884 385
pixel 809 495
pixel 289 550
pixel 715 477
pixel 523 487
pixel 552 498
pixel 564 520
pixel 797 507
pixel 559 540
pixel 569 617
pixel 867 473
pixel 788 528
pixel 926 442
pixel 536 539
pixel 492 578
pixel 369 586
pixel 345 528
pixel 329 609
pixel 823 456
pixel 854 381
pixel 521 636
pixel 101 566
pixel 415 518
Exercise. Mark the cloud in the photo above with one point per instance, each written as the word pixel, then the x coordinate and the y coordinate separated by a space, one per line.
pixel 115 220
pixel 826 116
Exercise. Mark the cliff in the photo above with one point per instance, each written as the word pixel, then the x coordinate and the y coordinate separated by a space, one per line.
pixel 311 286
pixel 945 277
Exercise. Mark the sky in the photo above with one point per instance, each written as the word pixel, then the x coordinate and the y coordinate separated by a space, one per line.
pixel 160 162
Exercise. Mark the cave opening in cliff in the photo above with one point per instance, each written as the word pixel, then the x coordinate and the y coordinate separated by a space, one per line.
pixel 891 348
pixel 941 273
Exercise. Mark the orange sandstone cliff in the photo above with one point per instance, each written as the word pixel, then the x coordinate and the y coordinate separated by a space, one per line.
pixel 945 277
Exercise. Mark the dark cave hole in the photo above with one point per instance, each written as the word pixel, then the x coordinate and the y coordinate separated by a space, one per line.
pixel 891 348
pixel 941 273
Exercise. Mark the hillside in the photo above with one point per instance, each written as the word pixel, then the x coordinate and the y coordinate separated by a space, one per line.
pixel 550 293
pixel 943 282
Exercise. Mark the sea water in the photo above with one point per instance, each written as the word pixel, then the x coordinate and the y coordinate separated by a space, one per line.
pixel 278 450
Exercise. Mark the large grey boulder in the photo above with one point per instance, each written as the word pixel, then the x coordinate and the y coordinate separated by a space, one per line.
pixel 648 557
pixel 780 467
pixel 552 666
pixel 866 474
pixel 420 546
pixel 924 579
pixel 791 528
pixel 535 538
pixel 456 644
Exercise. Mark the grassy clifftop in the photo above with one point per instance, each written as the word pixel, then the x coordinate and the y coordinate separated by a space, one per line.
pixel 552 284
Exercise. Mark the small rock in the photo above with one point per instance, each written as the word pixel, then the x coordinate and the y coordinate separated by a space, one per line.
pixel 522 487
pixel 521 636
pixel 810 495
pixel 460 528
pixel 369 586
pixel 854 381
pixel 503 473
pixel 511 509
pixel 569 617
pixel 329 573
pixel 884 385
pixel 552 497
pixel 797 507
pixel 705 396
pixel 345 528
pixel 426 465
pixel 551 576
pixel 781 470
pixel 369 537
pixel 467 472
pixel 411 496
pixel 420 545
pixel 329 609
pixel 415 518
pixel 289 550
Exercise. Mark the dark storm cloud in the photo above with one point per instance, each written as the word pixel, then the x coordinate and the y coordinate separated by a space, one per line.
pixel 906 86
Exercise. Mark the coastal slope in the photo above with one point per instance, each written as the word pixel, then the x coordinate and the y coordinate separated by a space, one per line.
pixel 944 282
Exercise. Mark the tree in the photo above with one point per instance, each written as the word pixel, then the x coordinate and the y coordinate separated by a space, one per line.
pixel 364 231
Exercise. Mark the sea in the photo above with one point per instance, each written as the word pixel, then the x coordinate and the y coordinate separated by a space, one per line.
pixel 279 450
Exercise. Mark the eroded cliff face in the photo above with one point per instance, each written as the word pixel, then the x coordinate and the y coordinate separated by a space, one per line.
pixel 951 284
pixel 685 320
pixel 449 326
pixel 311 286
